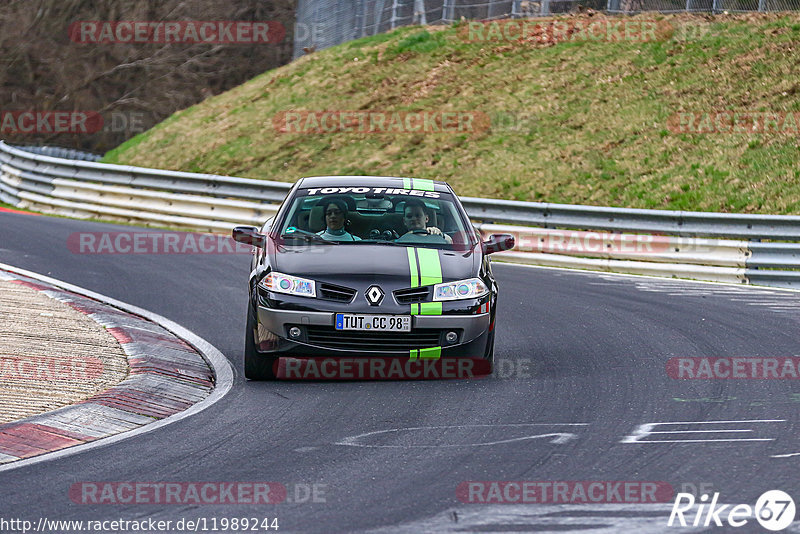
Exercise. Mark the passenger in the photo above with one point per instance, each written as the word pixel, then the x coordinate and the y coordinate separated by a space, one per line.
pixel 415 218
pixel 334 216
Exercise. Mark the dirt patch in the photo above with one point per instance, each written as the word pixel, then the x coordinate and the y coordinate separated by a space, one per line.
pixel 50 354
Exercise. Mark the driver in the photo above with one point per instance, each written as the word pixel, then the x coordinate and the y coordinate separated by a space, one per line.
pixel 415 218
pixel 334 215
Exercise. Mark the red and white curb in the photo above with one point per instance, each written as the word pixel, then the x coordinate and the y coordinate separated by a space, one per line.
pixel 173 374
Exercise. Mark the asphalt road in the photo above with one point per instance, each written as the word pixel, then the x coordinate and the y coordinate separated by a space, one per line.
pixel 581 359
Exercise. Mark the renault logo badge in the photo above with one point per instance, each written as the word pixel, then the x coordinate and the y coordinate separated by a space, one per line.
pixel 374 295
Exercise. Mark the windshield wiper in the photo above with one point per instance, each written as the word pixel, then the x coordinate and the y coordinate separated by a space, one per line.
pixel 296 233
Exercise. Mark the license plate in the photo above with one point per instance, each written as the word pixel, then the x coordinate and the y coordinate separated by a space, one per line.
pixel 380 323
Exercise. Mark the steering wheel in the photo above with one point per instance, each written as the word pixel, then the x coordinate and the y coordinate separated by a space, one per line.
pixel 420 232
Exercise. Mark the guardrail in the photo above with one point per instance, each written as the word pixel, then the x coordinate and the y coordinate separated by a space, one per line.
pixel 703 246
pixel 58 152
pixel 84 189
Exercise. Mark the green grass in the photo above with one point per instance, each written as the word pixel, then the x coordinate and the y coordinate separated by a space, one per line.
pixel 581 122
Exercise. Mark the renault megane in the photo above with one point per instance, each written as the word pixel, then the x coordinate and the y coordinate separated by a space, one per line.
pixel 369 267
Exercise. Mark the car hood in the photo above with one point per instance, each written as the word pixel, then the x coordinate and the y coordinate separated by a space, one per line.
pixel 371 263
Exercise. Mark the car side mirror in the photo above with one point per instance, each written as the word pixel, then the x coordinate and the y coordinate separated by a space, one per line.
pixel 249 235
pixel 498 243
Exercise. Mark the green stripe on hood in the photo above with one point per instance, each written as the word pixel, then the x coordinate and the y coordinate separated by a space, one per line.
pixel 430 268
pixel 423 184
pixel 428 273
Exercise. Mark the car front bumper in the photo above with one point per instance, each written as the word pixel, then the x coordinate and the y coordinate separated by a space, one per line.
pixel 319 338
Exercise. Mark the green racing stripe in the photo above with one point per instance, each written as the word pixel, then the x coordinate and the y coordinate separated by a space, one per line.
pixel 433 353
pixel 430 273
pixel 420 184
pixel 425 269
pixel 412 266
pixel 423 184
pixel 430 268
pixel 430 308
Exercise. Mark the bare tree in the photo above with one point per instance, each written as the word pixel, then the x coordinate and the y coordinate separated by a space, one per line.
pixel 132 85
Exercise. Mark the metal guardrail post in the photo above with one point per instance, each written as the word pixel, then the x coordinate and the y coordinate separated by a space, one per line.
pixel 377 16
pixel 447 11
pixel 393 19
pixel 420 17
pixel 358 27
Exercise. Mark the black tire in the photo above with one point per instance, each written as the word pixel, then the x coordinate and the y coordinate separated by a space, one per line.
pixel 256 366
pixel 490 352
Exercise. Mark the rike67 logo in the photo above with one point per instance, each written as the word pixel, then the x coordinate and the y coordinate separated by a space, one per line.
pixel 774 510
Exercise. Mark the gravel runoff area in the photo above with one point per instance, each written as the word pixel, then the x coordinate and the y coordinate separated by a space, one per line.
pixel 51 355
pixel 77 368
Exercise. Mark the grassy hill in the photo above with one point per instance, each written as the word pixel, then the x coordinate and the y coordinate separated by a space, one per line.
pixel 569 119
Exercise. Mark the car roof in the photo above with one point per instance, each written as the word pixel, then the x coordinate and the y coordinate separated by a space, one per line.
pixel 374 181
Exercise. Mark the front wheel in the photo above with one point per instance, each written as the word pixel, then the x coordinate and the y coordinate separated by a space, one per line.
pixel 490 353
pixel 256 366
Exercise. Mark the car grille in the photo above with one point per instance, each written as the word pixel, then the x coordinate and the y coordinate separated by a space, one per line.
pixel 329 337
pixel 412 295
pixel 337 293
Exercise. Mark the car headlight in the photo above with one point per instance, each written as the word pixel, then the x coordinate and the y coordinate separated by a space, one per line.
pixel 462 289
pixel 291 285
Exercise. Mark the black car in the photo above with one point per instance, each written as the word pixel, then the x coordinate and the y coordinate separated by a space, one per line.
pixel 363 267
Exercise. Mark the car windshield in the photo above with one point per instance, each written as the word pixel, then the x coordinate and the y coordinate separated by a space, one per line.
pixel 368 215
